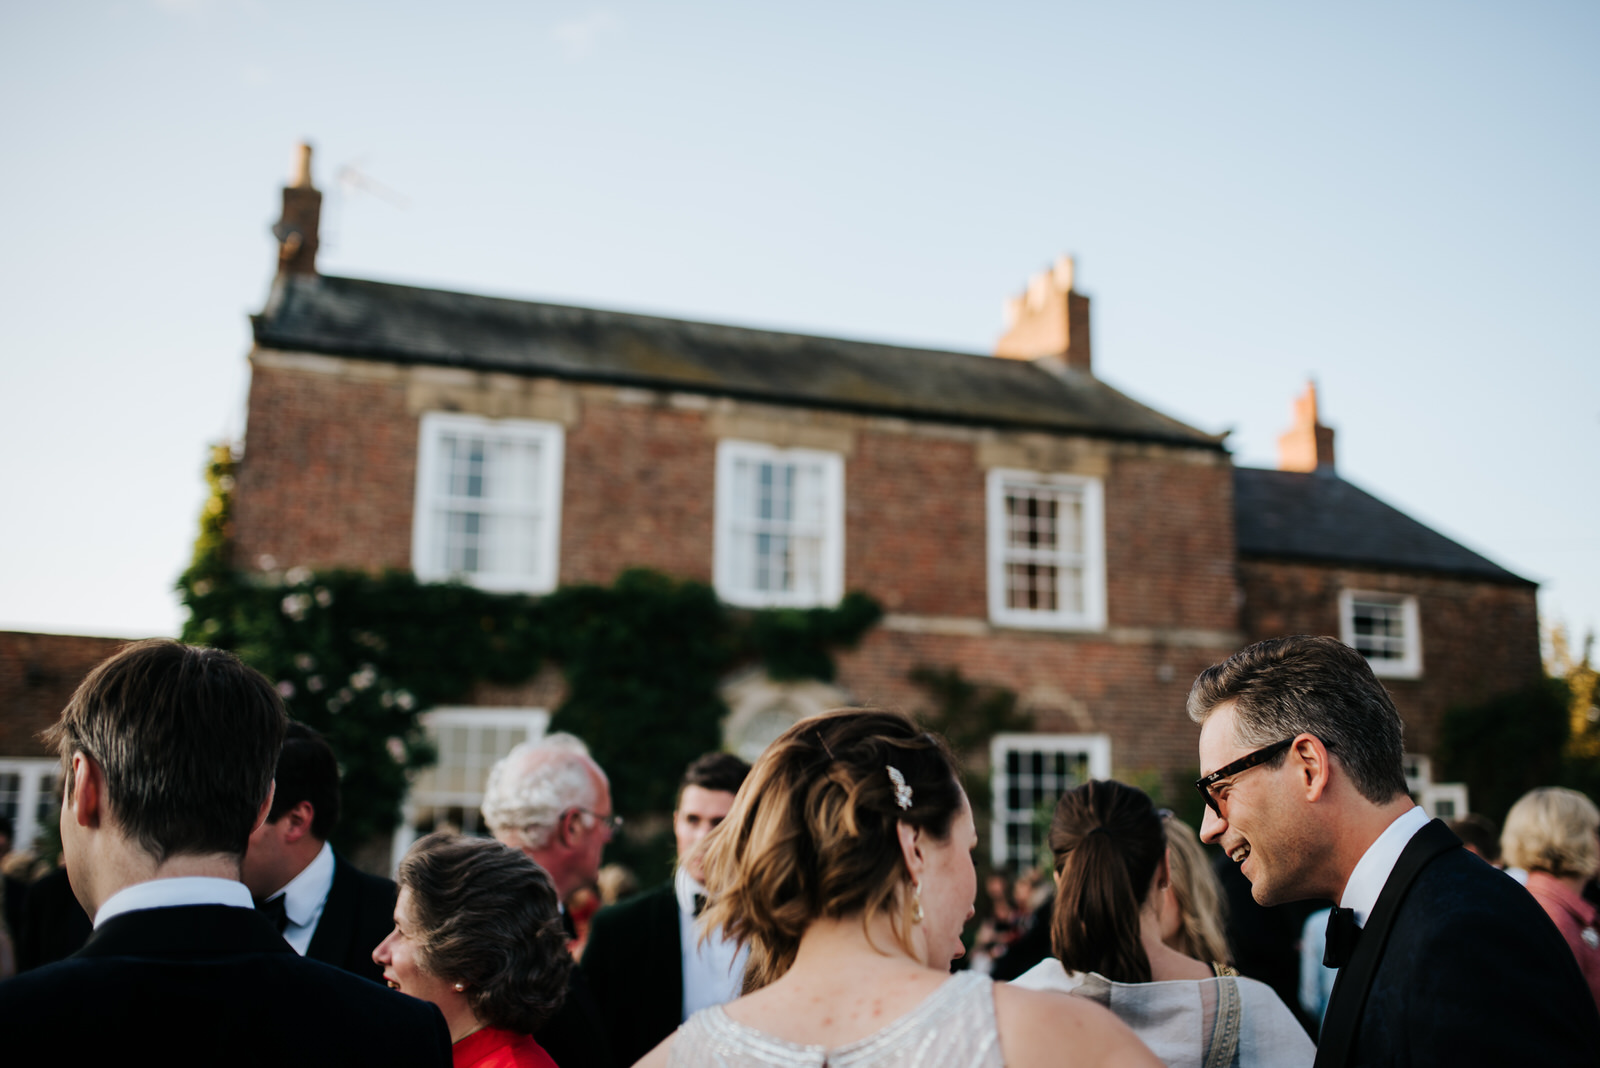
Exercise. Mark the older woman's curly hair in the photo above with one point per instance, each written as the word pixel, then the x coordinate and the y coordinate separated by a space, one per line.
pixel 485 916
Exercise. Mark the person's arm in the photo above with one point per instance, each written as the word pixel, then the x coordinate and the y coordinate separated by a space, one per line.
pixel 1036 1026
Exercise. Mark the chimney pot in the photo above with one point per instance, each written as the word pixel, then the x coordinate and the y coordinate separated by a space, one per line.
pixel 296 228
pixel 1307 445
pixel 1050 319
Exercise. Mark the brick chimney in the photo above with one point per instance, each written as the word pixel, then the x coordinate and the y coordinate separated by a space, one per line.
pixel 1050 319
pixel 296 230
pixel 1307 445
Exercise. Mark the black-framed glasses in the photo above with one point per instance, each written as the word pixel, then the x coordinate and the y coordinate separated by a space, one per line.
pixel 1244 763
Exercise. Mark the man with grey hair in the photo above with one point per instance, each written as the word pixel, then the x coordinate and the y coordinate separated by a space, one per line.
pixel 551 800
pixel 1443 960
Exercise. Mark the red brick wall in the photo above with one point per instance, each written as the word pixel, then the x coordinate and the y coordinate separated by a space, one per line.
pixel 1170 545
pixel 328 475
pixel 38 673
pixel 914 524
pixel 1479 639
pixel 638 491
pixel 1133 692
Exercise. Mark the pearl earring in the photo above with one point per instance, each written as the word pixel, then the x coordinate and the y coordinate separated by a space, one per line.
pixel 461 988
pixel 916 902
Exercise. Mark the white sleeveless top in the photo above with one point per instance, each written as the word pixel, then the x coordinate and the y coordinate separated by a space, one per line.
pixel 953 1028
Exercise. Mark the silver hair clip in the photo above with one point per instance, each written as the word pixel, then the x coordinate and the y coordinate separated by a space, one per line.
pixel 902 792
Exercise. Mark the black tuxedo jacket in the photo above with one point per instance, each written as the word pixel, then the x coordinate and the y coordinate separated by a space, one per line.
pixel 358 914
pixel 575 1037
pixel 209 985
pixel 635 966
pixel 1457 965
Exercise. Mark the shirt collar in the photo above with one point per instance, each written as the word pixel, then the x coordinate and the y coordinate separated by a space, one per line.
pixel 1372 870
pixel 306 892
pixel 173 893
pixel 685 887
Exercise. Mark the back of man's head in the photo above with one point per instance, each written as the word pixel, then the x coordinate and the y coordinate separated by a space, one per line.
pixel 1320 686
pixel 307 771
pixel 722 772
pixel 534 784
pixel 186 740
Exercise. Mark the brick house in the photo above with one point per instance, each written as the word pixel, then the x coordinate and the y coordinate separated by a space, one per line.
pixel 1019 520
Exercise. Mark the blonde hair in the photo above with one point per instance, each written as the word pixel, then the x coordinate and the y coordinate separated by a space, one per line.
pixel 813 833
pixel 1202 910
pixel 1552 829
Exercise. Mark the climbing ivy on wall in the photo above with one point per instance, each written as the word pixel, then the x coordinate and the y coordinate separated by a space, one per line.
pixel 359 656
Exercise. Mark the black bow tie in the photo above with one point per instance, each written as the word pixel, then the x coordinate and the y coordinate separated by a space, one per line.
pixel 1343 931
pixel 274 910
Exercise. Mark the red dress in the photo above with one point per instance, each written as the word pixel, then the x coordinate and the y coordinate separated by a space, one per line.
pixel 494 1048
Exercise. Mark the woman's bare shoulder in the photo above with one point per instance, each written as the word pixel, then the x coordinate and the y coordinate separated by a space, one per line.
pixel 1036 1025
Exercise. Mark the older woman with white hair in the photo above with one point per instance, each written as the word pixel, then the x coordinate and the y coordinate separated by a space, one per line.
pixel 1555 834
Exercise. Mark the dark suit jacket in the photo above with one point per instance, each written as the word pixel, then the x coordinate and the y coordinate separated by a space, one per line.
pixel 53 923
pixel 635 966
pixel 208 985
pixel 575 1037
pixel 358 914
pixel 1457 965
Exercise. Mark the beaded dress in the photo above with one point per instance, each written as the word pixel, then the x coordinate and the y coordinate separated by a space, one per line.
pixel 953 1028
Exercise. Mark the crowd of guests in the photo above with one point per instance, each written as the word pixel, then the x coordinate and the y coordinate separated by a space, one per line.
pixel 817 911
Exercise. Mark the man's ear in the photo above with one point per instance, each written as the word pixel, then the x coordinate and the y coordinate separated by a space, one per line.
pixel 297 820
pixel 911 848
pixel 1313 765
pixel 86 796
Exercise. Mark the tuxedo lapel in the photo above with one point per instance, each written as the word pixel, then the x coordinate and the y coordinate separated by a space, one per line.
pixel 1349 998
pixel 330 942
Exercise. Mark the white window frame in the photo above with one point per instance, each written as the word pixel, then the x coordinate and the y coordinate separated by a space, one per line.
pixel 1444 800
pixel 1409 665
pixel 1096 747
pixel 1091 560
pixel 729 584
pixel 32 794
pixel 533 721
pixel 425 546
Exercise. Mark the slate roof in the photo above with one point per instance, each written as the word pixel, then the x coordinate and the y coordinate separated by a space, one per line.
pixel 403 324
pixel 1321 517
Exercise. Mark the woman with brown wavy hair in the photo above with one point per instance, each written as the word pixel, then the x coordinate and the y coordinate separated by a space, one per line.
pixel 477 933
pixel 845 865
pixel 1112 876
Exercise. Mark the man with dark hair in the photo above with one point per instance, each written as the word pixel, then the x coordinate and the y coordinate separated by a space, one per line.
pixel 167 756
pixel 645 959
pixel 1443 960
pixel 325 907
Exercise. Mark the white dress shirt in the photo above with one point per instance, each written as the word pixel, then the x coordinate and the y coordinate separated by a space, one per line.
pixel 713 970
pixel 304 897
pixel 1372 870
pixel 172 893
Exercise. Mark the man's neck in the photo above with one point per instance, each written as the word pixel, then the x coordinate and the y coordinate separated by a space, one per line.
pixel 121 866
pixel 1364 826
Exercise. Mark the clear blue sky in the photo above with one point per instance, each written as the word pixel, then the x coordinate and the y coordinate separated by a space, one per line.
pixel 1398 199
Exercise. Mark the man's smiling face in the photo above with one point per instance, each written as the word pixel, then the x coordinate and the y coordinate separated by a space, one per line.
pixel 1265 827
